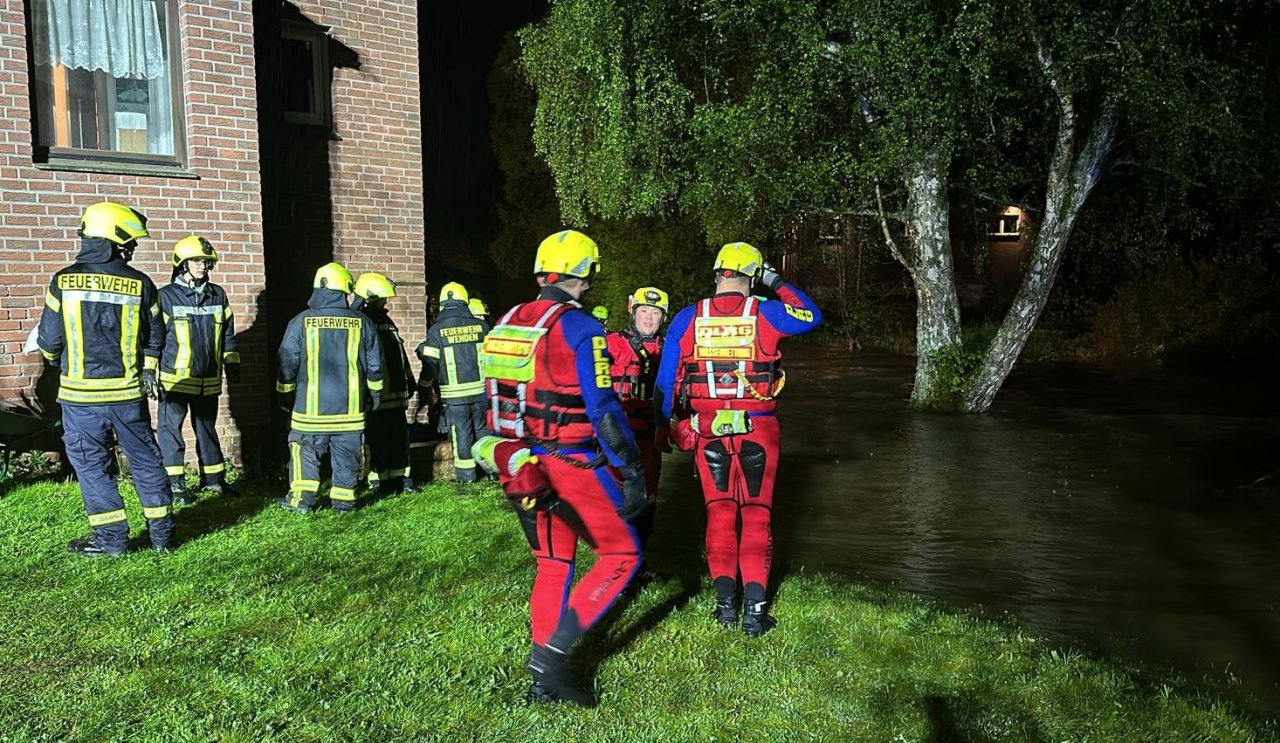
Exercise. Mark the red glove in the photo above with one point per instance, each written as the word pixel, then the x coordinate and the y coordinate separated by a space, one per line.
pixel 683 436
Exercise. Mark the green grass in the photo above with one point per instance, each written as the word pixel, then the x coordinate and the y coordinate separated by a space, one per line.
pixel 408 621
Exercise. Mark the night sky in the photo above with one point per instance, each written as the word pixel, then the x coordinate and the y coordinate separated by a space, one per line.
pixel 462 180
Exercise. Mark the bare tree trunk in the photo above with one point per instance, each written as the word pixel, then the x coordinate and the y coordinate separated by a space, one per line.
pixel 932 272
pixel 1071 178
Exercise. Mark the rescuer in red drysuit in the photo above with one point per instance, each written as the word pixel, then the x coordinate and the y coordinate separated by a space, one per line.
pixel 722 366
pixel 546 373
pixel 635 352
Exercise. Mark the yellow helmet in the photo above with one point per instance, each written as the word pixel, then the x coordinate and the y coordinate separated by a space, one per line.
pixel 333 276
pixel 600 312
pixel 453 292
pixel 569 253
pixel 373 286
pixel 115 222
pixel 476 305
pixel 740 257
pixel 651 296
pixel 193 247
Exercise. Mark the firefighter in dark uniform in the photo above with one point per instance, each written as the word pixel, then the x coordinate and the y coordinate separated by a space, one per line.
pixel 723 364
pixel 330 374
pixel 200 343
pixel 546 368
pixel 386 432
pixel 101 325
pixel 450 358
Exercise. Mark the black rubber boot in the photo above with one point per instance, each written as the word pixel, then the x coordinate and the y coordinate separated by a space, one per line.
pixel 755 618
pixel 181 496
pixel 539 694
pixel 726 611
pixel 220 487
pixel 90 547
pixel 554 680
pixel 287 504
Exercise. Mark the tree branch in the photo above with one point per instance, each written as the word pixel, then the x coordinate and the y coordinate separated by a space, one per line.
pixel 845 212
pixel 884 226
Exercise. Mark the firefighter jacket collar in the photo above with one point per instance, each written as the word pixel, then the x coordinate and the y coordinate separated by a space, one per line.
pixel 96 250
pixel 325 299
pixel 453 309
pixel 556 294
pixel 183 280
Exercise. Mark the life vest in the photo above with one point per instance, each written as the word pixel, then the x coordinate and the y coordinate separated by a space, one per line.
pixel 635 366
pixel 725 360
pixel 518 360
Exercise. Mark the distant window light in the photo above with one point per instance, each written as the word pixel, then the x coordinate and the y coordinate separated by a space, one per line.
pixel 1007 225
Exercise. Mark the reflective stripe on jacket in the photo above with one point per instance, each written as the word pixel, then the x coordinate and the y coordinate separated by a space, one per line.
pixel 200 338
pixel 397 378
pixel 450 354
pixel 329 358
pixel 101 325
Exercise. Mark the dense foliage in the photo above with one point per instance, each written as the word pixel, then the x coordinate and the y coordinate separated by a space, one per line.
pixel 743 117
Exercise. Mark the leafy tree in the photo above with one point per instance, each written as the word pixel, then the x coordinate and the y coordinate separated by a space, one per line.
pixel 668 252
pixel 740 114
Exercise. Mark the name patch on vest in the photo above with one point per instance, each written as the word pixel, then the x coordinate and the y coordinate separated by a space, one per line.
pixel 463 334
pixel 333 323
pixel 724 338
pixel 100 282
pixel 508 346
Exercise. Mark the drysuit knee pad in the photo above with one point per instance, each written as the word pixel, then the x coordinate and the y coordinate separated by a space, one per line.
pixel 752 457
pixel 717 457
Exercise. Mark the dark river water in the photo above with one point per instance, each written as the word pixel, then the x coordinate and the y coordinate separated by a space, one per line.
pixel 1101 509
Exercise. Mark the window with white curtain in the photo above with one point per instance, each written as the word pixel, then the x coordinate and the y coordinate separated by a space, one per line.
pixel 107 79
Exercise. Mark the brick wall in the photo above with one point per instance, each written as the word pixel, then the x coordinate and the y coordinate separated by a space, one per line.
pixel 376 167
pixel 40 209
pixel 276 200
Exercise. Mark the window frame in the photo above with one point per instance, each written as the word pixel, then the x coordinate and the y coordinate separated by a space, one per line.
pixel 54 157
pixel 291 30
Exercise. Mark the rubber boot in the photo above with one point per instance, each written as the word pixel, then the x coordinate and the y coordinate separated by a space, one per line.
pixel 181 496
pixel 726 611
pixel 755 618
pixel 554 680
pixel 288 504
pixel 91 547
pixel 219 486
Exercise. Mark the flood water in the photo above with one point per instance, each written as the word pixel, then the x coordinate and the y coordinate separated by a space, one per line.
pixel 1101 509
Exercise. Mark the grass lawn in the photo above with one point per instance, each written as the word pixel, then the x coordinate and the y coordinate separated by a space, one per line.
pixel 408 621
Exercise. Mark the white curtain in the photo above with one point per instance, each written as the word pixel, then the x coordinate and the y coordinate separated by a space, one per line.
pixel 119 37
pixel 160 130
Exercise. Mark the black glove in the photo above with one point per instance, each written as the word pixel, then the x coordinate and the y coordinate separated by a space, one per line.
pixel 770 278
pixel 150 385
pixel 634 500
pixel 443 426
pixel 233 373
pixel 286 401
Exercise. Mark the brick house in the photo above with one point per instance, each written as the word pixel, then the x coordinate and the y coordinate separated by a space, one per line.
pixel 289 134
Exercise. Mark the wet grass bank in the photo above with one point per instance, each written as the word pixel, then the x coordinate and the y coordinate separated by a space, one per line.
pixel 408 621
